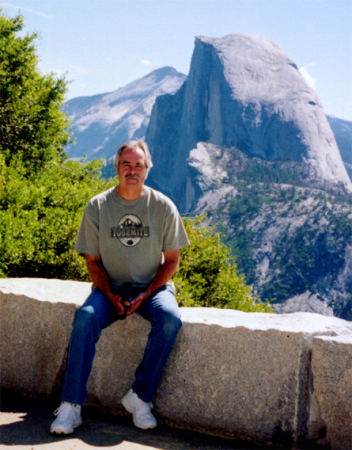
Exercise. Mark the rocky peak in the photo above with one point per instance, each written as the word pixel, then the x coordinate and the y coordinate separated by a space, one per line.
pixel 242 91
pixel 101 123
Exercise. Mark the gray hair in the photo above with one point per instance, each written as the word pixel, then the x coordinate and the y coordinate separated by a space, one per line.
pixel 135 144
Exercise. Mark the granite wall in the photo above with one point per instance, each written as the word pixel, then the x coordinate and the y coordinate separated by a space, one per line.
pixel 282 380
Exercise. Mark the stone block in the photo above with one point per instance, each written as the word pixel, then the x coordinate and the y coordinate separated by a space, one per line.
pixel 234 374
pixel 35 328
pixel 332 378
pixel 245 375
pixel 36 318
pixel 119 352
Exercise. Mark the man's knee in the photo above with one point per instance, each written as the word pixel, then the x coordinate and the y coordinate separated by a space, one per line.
pixel 171 322
pixel 84 317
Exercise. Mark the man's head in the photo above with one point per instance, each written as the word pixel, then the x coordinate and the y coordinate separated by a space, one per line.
pixel 136 145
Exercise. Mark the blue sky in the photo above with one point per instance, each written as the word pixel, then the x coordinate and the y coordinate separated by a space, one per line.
pixel 105 44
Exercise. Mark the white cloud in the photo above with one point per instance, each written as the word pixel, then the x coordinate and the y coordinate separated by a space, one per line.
pixel 30 10
pixel 145 62
pixel 308 77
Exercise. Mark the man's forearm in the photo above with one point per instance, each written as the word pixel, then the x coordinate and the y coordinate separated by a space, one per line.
pixel 101 280
pixel 99 276
pixel 164 274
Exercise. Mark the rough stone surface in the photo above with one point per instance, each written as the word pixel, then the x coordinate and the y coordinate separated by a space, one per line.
pixel 306 302
pixel 342 130
pixel 332 375
pixel 236 374
pixel 35 325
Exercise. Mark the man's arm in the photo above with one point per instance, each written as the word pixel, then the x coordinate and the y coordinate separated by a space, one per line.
pixel 163 275
pixel 101 280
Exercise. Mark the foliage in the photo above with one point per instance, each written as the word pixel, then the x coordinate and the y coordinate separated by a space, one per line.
pixel 40 215
pixel 208 276
pixel 242 209
pixel 32 125
pixel 304 257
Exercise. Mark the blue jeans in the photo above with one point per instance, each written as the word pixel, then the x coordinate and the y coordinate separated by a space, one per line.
pixel 97 313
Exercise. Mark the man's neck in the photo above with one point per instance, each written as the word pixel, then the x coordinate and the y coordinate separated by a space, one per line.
pixel 129 194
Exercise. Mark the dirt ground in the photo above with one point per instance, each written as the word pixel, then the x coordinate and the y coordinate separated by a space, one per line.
pixel 25 424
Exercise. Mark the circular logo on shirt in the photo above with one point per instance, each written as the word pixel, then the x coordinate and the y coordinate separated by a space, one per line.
pixel 130 230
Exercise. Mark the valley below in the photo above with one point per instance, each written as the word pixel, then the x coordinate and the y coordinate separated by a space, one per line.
pixel 293 243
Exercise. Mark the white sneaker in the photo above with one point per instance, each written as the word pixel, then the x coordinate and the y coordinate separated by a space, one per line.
pixel 68 418
pixel 142 415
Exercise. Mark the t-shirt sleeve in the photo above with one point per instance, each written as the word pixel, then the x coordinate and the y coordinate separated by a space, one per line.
pixel 175 235
pixel 88 235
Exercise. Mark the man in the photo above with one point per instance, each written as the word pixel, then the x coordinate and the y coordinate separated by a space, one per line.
pixel 131 236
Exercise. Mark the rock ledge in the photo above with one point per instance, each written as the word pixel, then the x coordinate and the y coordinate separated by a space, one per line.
pixel 267 378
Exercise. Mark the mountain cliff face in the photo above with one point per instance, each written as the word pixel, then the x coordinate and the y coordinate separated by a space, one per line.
pixel 242 91
pixel 342 130
pixel 101 123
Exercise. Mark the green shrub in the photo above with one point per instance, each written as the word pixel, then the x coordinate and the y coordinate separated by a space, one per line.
pixel 40 215
pixel 207 275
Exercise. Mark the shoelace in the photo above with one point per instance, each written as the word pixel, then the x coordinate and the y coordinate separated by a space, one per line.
pixel 144 410
pixel 66 411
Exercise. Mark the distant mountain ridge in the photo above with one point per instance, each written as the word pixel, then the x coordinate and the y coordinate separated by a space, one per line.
pixel 101 123
pixel 293 244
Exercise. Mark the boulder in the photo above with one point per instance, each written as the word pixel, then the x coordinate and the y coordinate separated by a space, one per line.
pixel 234 374
pixel 332 375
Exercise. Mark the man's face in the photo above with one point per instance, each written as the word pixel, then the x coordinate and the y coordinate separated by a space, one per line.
pixel 132 168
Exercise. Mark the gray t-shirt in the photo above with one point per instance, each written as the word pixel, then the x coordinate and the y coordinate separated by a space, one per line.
pixel 130 235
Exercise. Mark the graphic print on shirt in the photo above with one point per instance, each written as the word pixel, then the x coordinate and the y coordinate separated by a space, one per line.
pixel 130 230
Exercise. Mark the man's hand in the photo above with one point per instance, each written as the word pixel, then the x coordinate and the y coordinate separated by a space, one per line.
pixel 163 275
pixel 136 303
pixel 116 300
pixel 100 278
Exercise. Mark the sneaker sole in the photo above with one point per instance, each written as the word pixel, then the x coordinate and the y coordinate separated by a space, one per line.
pixel 151 427
pixel 61 431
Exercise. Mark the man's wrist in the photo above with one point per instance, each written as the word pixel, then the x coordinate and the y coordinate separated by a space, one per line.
pixel 151 291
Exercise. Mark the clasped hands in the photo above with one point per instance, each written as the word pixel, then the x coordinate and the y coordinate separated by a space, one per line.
pixel 126 308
